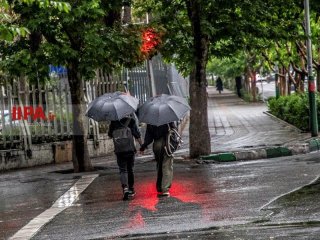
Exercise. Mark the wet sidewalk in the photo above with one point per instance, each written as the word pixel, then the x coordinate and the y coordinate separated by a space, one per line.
pixel 236 124
pixel 247 128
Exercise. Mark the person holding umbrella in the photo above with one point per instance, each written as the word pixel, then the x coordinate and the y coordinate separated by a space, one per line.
pixel 118 108
pixel 157 135
pixel 126 156
pixel 161 113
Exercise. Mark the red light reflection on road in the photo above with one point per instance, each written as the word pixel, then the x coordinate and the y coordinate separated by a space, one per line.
pixel 136 221
pixel 185 190
pixel 146 197
pixel 186 194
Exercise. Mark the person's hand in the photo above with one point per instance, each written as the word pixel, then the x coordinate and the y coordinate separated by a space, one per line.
pixel 141 150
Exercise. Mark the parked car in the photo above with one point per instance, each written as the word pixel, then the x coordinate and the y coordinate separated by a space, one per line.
pixel 271 77
pixel 260 78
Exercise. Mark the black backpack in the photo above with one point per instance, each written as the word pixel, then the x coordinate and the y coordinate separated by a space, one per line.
pixel 122 139
pixel 173 141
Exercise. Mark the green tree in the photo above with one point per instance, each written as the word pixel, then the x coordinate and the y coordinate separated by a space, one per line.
pixel 287 52
pixel 198 29
pixel 88 37
pixel 8 30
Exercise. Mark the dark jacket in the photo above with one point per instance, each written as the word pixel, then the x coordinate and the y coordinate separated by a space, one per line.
pixel 154 133
pixel 219 84
pixel 238 82
pixel 118 124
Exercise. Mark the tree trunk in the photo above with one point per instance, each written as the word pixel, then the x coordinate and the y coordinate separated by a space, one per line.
pixel 254 86
pixel 80 156
pixel 289 86
pixel 282 82
pixel 301 86
pixel 199 130
pixel 126 14
pixel 113 17
pixel 318 69
pixel 247 78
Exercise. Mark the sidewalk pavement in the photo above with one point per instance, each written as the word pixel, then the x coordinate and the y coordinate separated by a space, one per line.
pixel 246 131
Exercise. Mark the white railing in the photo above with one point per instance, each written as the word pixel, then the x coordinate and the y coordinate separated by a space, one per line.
pixel 22 129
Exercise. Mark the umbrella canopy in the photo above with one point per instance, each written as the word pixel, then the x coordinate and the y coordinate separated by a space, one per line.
pixel 163 109
pixel 112 106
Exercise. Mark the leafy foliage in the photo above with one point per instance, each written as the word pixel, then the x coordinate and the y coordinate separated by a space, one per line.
pixel 285 46
pixel 293 109
pixel 9 30
pixel 83 33
pixel 87 37
pixel 232 27
pixel 228 67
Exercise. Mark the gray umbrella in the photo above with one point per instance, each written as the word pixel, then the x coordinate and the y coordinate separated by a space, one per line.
pixel 163 109
pixel 112 106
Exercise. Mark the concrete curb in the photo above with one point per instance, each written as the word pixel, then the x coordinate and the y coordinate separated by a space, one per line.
pixel 284 122
pixel 312 145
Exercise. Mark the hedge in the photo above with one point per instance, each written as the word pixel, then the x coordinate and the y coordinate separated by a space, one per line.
pixel 293 109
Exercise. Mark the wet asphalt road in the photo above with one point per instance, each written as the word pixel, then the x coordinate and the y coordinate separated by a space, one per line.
pixel 241 200
pixel 26 193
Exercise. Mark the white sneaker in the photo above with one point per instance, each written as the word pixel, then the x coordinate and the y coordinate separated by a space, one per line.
pixel 164 194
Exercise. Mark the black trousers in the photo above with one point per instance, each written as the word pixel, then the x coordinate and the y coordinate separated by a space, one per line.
pixel 126 163
pixel 239 91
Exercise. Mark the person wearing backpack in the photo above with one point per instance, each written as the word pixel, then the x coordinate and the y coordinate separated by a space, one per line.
pixel 122 132
pixel 158 135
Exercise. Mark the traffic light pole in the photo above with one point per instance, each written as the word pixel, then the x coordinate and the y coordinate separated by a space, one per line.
pixel 276 80
pixel 311 83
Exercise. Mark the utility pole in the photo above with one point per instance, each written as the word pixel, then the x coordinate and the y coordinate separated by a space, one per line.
pixel 311 83
pixel 150 69
pixel 261 82
pixel 276 80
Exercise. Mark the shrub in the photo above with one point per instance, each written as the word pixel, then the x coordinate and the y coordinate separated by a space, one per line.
pixel 277 106
pixel 247 97
pixel 293 109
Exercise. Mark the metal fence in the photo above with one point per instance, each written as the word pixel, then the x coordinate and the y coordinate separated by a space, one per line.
pixel 154 73
pixel 32 113
pixel 51 103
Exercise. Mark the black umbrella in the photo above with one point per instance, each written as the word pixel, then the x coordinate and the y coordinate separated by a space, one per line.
pixel 163 109
pixel 112 106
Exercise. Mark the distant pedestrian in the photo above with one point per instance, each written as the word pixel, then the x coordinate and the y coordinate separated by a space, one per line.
pixel 157 135
pixel 238 80
pixel 219 85
pixel 126 156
